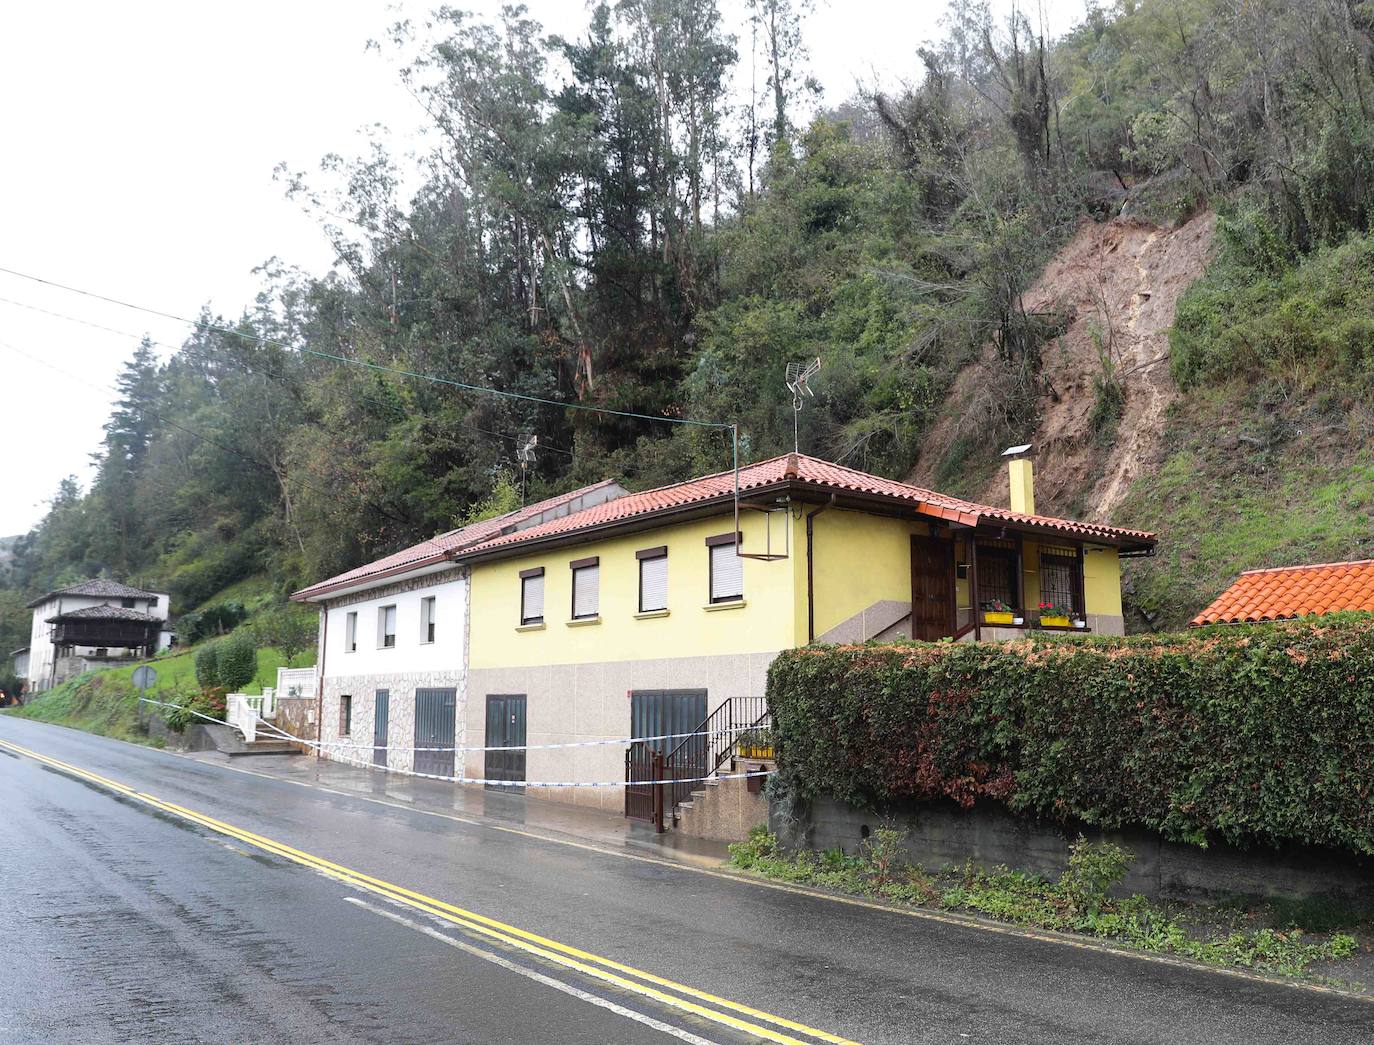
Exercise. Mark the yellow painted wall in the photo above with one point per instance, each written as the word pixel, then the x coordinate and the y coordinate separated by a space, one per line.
pixel 859 559
pixel 765 623
pixel 1102 581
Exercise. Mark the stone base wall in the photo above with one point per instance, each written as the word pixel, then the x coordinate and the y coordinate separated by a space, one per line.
pixel 358 745
pixel 576 702
pixel 941 834
pixel 296 716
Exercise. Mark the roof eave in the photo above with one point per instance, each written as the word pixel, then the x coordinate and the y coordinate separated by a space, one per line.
pixel 801 489
pixel 317 592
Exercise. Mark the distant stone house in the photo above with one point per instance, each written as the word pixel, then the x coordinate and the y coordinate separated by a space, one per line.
pixel 393 643
pixel 93 624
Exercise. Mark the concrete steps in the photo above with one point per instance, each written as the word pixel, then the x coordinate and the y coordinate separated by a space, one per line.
pixel 265 747
pixel 723 810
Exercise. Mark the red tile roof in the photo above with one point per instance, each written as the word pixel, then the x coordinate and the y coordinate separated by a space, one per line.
pixel 1293 591
pixel 437 549
pixel 810 472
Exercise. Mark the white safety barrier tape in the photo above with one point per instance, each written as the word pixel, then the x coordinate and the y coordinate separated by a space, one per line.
pixel 549 747
pixel 274 731
pixel 268 728
pixel 519 747
pixel 183 707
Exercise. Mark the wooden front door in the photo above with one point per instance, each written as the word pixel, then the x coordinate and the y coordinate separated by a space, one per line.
pixel 932 588
pixel 505 761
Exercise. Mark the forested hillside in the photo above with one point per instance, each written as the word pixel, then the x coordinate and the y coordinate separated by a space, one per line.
pixel 602 221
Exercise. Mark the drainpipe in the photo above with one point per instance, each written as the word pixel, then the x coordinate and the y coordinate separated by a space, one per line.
pixel 810 570
pixel 319 684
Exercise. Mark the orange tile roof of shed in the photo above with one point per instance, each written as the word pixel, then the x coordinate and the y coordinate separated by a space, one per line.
pixel 1293 591
pixel 814 472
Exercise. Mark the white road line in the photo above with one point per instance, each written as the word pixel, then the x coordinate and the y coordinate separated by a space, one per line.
pixel 538 977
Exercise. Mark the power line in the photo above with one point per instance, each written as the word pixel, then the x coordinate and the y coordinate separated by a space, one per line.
pixel 188 350
pixel 380 367
pixel 179 427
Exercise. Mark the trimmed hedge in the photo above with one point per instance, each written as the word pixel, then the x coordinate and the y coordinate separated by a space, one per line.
pixel 1256 734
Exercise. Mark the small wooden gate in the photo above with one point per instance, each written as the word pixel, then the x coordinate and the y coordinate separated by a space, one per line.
pixel 435 719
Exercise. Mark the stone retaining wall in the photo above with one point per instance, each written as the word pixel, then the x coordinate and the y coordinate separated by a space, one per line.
pixel 941 834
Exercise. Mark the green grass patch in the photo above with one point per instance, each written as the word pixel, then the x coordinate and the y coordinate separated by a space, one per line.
pixel 1266 938
pixel 256 593
pixel 106 702
pixel 1248 483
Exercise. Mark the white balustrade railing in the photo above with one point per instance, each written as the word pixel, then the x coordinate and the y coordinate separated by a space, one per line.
pixel 241 715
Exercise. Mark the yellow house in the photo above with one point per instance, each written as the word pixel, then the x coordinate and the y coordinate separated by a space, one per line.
pixel 644 614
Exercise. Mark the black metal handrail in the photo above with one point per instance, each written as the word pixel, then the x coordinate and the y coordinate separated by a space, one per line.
pixel 711 745
pixel 749 721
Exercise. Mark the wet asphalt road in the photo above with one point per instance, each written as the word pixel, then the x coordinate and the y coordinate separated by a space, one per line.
pixel 123 923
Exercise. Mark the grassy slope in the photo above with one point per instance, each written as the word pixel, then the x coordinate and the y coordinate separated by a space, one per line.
pixel 254 592
pixel 1222 506
pixel 106 702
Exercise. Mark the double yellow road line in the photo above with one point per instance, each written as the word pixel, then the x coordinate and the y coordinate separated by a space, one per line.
pixel 626 977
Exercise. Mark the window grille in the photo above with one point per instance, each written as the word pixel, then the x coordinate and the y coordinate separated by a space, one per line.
pixel 997 578
pixel 1058 576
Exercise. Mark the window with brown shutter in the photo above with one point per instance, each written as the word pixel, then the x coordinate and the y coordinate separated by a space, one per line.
pixel 532 596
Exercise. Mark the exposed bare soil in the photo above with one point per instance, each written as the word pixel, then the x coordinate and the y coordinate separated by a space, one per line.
pixel 1116 286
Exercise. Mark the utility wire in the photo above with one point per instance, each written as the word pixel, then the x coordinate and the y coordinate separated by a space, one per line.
pixel 331 495
pixel 203 357
pixel 380 367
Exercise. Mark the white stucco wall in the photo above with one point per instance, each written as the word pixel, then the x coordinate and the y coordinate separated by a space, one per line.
pixel 410 654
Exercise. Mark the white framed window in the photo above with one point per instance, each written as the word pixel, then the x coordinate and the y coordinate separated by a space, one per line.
pixel 386 627
pixel 653 579
pixel 345 715
pixel 351 633
pixel 727 569
pixel 532 596
pixel 586 588
pixel 427 619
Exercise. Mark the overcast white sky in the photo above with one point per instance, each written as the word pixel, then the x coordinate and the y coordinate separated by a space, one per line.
pixel 139 143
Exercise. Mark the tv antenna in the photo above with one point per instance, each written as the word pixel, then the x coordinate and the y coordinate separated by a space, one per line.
pixel 799 376
pixel 525 455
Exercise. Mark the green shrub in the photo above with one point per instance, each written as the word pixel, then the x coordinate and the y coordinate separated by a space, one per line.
pixel 1258 314
pixel 207 665
pixel 209 703
pixel 237 661
pixel 1252 735
pixel 217 619
pixel 1094 867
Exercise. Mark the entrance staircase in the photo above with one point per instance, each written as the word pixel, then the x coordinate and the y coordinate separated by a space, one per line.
pixel 683 788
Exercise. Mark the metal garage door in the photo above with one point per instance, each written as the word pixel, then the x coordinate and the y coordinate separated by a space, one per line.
pixel 435 716
pixel 381 720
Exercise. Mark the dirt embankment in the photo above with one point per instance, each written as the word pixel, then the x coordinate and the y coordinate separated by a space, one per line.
pixel 1116 286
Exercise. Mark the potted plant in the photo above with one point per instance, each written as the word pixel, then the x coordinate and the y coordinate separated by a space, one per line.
pixel 996 611
pixel 1053 615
